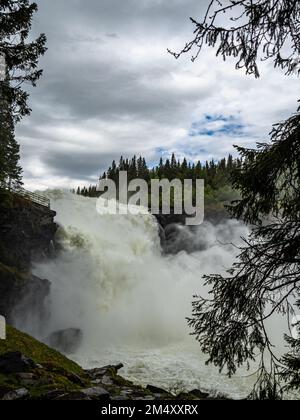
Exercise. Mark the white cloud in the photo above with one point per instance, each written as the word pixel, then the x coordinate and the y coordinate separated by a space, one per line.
pixel 111 88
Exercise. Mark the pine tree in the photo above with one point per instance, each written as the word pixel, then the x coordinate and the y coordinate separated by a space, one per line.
pixel 215 174
pixel 173 171
pixel 167 170
pixel 121 164
pixel 140 167
pixel 132 174
pixel 145 170
pixel 21 57
pixel 14 170
pixel 160 168
pixel 21 66
pixel 198 171
pixel 10 170
pixel 230 162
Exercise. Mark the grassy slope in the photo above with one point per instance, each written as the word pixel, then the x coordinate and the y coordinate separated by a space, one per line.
pixel 57 372
pixel 40 353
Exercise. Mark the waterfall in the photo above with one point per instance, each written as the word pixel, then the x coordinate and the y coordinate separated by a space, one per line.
pixel 112 281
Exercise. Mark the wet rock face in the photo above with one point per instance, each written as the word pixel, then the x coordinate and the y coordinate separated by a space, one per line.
pixel 66 341
pixel 22 294
pixel 189 239
pixel 168 219
pixel 211 215
pixel 176 237
pixel 26 233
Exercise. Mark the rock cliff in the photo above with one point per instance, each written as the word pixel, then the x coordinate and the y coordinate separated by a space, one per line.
pixel 27 232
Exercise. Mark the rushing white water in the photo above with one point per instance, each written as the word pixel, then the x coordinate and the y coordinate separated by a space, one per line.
pixel 112 281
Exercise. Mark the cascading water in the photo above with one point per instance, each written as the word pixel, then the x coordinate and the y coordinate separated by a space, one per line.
pixel 112 281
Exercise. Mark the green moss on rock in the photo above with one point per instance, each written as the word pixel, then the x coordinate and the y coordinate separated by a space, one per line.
pixel 53 372
pixel 38 352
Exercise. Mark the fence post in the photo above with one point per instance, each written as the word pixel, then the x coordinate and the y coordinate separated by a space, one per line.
pixel 2 328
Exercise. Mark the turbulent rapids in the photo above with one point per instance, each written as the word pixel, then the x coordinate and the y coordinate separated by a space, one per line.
pixel 112 281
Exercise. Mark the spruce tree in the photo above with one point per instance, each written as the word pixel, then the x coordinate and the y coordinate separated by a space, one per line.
pixel 21 56
pixel 10 170
pixel 231 325
pixel 21 59
pixel 14 170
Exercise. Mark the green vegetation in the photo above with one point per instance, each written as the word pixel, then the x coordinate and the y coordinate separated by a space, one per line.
pixel 216 175
pixel 38 352
pixel 53 372
pixel 10 170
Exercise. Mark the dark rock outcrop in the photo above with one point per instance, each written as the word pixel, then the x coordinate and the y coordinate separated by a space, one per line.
pixel 14 362
pixel 22 293
pixel 26 233
pixel 212 214
pixel 168 219
pixel 66 341
pixel 176 236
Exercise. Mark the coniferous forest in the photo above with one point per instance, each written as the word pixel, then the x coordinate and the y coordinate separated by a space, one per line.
pixel 216 174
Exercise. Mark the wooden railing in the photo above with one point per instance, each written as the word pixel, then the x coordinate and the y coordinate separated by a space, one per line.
pixel 28 195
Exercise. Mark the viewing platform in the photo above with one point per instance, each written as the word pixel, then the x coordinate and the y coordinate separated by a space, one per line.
pixel 30 196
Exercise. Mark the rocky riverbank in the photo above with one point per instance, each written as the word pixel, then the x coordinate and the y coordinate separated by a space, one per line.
pixel 30 370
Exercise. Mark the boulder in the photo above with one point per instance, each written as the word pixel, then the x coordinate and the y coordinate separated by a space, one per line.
pixel 25 376
pixel 52 395
pixel 15 362
pixel 18 394
pixel 110 371
pixel 119 398
pixel 66 341
pixel 96 392
pixel 73 396
pixel 156 390
pixel 200 394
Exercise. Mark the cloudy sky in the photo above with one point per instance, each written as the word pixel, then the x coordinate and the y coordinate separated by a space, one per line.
pixel 110 88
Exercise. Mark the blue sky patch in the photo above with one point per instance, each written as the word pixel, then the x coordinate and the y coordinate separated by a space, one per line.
pixel 218 125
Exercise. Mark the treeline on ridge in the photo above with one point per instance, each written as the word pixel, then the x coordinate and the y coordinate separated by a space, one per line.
pixel 216 174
